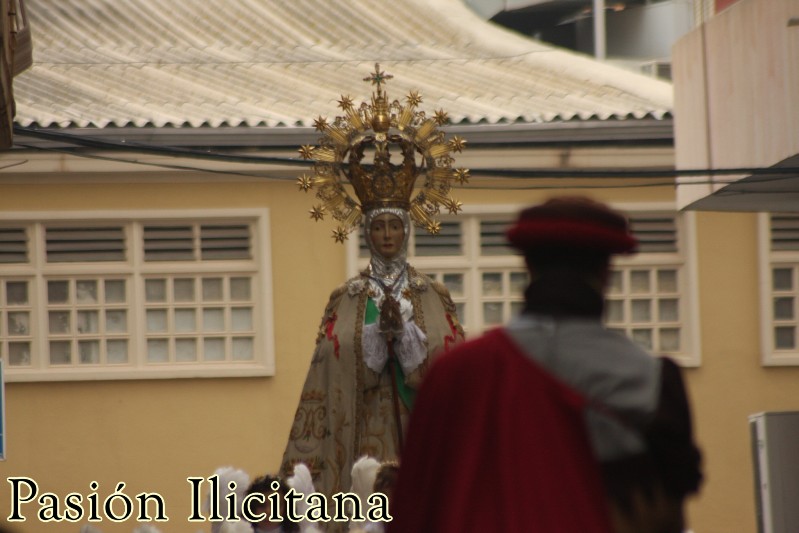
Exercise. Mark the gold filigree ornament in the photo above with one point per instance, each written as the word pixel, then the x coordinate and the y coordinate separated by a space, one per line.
pixel 377 128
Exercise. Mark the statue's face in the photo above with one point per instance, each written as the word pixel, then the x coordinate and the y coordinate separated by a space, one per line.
pixel 387 234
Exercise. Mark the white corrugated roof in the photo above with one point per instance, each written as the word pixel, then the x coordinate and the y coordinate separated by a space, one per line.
pixel 195 63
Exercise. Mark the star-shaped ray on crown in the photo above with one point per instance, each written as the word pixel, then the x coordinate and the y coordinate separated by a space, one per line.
pixel 317 212
pixel 340 234
pixel 378 77
pixel 420 182
pixel 320 123
pixel 305 182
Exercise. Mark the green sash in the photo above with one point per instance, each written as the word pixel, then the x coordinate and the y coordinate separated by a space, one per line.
pixel 407 394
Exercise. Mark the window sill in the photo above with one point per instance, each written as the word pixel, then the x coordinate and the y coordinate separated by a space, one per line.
pixel 165 371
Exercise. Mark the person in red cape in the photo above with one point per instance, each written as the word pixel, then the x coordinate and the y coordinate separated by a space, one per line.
pixel 552 423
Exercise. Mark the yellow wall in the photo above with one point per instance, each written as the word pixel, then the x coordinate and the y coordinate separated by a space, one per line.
pixel 735 82
pixel 153 434
pixel 731 384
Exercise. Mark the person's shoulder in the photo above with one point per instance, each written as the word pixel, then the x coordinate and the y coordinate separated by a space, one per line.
pixel 621 352
pixel 419 281
pixel 624 344
pixel 355 285
pixel 624 365
pixel 592 334
pixel 352 288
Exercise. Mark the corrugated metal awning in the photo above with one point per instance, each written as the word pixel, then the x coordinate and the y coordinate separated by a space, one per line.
pixel 278 63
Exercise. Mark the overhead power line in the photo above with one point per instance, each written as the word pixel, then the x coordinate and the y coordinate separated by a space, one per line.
pixel 763 173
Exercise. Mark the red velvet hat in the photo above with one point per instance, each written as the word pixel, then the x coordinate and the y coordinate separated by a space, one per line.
pixel 572 223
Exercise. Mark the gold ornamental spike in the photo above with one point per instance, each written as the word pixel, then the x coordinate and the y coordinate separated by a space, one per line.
pixel 425 131
pixel 441 173
pixel 339 137
pixel 419 215
pixel 325 154
pixel 405 117
pixel 355 119
pixel 439 150
pixel 321 180
pixel 437 196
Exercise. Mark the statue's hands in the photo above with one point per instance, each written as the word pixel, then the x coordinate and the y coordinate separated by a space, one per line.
pixel 391 323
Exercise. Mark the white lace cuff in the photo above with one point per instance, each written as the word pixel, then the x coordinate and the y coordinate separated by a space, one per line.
pixel 375 351
pixel 412 348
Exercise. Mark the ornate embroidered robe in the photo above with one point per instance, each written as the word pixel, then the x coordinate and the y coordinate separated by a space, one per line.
pixel 346 408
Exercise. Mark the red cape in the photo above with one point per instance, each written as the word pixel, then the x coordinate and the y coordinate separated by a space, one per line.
pixel 496 443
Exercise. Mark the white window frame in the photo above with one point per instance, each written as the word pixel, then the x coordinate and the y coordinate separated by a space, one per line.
pixel 768 260
pixel 37 271
pixel 684 259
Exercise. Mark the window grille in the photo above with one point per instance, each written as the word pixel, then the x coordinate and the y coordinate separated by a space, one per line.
pixel 780 297
pixel 77 244
pixel 13 245
pixel 147 297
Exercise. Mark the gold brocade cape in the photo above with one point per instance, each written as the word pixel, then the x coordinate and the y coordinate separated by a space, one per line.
pixel 346 409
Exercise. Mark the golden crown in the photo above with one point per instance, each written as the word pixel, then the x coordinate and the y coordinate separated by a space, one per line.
pixel 379 126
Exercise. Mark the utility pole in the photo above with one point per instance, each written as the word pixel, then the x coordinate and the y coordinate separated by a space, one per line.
pixel 599 30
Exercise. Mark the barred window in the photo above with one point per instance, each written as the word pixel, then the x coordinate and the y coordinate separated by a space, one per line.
pixel 646 294
pixel 779 261
pixel 136 297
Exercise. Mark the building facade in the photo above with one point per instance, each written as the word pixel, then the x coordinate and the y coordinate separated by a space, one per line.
pixel 161 281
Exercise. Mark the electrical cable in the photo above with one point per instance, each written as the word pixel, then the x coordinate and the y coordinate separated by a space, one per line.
pixel 763 174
